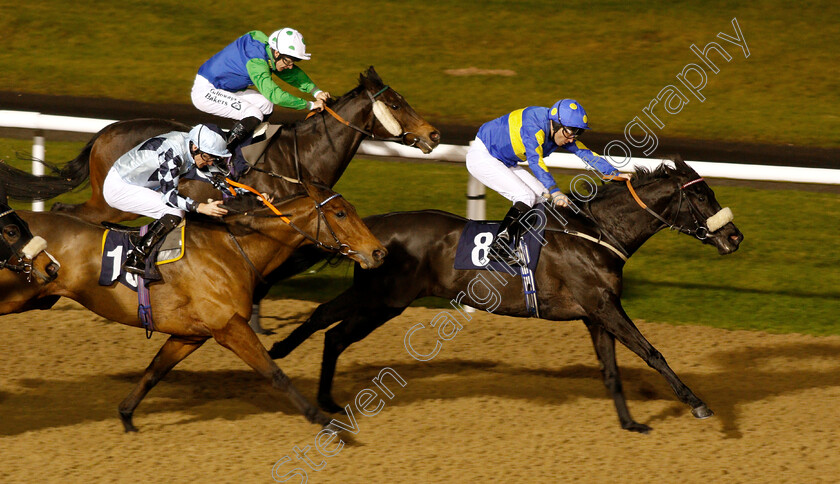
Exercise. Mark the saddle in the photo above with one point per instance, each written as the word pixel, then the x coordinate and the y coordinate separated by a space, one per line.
pixel 252 149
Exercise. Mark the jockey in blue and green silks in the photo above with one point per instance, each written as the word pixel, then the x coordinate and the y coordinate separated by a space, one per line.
pixel 222 84
pixel 529 135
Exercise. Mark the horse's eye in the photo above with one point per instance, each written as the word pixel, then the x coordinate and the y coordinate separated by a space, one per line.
pixel 341 214
pixel 701 198
pixel 12 233
pixel 395 107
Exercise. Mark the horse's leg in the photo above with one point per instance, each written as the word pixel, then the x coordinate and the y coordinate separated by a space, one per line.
pixel 612 316
pixel 604 344
pixel 354 328
pixel 324 315
pixel 238 337
pixel 173 351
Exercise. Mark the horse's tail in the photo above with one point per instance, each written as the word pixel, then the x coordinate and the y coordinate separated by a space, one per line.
pixel 21 185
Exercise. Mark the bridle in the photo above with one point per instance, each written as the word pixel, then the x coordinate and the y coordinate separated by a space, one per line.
pixel 24 253
pixel 401 138
pixel 337 247
pixel 701 229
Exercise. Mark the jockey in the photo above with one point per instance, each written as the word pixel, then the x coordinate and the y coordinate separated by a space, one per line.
pixel 528 134
pixel 145 181
pixel 221 86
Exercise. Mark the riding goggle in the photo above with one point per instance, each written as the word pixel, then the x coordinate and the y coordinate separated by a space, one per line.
pixel 571 132
pixel 210 158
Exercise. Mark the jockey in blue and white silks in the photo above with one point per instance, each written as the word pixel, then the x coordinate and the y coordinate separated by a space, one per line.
pixel 528 135
pixel 222 86
pixel 145 181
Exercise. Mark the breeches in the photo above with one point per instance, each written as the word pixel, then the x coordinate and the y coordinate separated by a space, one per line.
pixel 512 182
pixel 135 199
pixel 235 105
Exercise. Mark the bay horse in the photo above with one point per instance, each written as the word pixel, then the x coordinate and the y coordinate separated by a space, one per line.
pixel 576 278
pixel 323 144
pixel 207 294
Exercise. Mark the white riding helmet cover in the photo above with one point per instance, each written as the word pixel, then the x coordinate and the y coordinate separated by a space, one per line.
pixel 289 42
pixel 209 139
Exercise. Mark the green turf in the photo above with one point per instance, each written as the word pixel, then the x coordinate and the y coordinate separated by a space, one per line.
pixel 784 278
pixel 614 57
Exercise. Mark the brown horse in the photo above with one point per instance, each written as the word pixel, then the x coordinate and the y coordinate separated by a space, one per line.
pixel 323 145
pixel 207 294
pixel 577 278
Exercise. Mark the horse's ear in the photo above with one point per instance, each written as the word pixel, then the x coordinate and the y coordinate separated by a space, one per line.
pixel 680 165
pixel 370 77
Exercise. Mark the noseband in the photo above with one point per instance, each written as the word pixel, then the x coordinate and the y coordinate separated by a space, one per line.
pixel 701 230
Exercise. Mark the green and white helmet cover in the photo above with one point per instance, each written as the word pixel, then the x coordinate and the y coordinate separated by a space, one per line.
pixel 289 42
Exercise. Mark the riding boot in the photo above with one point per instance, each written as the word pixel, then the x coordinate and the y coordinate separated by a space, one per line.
pixel 135 261
pixel 241 130
pixel 509 231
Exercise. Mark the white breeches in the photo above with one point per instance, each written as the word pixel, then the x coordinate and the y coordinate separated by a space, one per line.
pixel 234 105
pixel 135 199
pixel 515 183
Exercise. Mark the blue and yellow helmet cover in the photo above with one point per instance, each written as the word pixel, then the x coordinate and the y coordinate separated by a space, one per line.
pixel 569 112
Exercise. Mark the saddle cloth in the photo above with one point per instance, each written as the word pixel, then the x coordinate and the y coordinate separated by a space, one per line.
pixel 478 236
pixel 115 247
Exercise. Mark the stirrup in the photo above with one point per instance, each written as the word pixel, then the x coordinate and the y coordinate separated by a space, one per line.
pixel 135 264
pixel 502 256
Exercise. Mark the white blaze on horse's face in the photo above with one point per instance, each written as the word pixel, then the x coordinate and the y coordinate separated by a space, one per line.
pixel 386 117
pixel 718 220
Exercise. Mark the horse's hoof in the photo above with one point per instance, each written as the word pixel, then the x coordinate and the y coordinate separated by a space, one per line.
pixel 330 406
pixel 330 427
pixel 702 412
pixel 127 420
pixel 637 427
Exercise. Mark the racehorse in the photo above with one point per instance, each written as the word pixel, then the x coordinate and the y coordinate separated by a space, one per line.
pixel 321 146
pixel 206 294
pixel 576 278
pixel 22 255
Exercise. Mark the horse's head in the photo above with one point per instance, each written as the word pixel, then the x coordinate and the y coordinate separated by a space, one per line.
pixel 700 214
pixel 395 116
pixel 339 228
pixel 22 252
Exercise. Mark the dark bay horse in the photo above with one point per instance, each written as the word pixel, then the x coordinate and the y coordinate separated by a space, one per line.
pixel 323 145
pixel 576 278
pixel 207 294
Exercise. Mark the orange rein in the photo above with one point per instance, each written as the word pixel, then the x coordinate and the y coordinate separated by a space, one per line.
pixel 629 187
pixel 333 114
pixel 259 195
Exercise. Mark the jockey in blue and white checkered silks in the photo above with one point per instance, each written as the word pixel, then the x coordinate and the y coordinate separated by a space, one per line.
pixel 145 181
pixel 528 135
pixel 222 86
